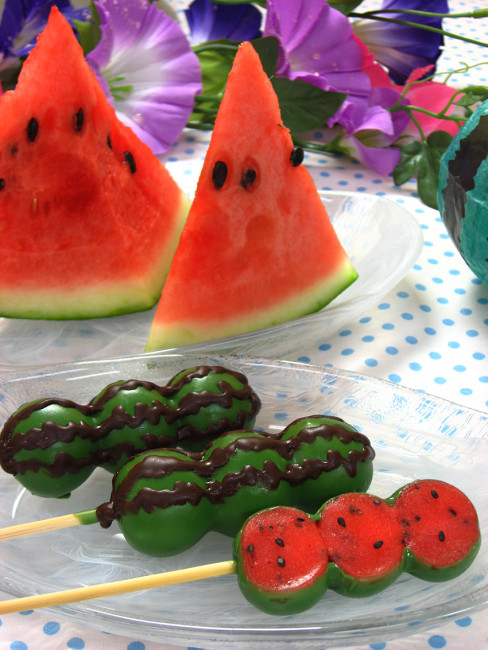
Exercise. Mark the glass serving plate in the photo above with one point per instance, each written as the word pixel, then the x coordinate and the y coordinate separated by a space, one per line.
pixel 382 239
pixel 415 436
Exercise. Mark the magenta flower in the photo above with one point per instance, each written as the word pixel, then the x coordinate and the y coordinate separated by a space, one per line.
pixel 147 69
pixel 210 22
pixel 402 49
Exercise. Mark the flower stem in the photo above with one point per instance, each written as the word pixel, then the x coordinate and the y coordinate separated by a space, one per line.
pixel 476 13
pixel 407 23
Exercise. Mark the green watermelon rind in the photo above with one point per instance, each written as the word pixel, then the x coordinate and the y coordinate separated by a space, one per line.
pixel 305 303
pixel 472 241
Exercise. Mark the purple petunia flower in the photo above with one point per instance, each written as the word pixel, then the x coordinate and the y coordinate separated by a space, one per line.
pixel 370 134
pixel 399 48
pixel 147 69
pixel 23 21
pixel 210 22
pixel 317 45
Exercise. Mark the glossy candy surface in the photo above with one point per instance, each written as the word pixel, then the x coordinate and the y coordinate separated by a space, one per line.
pixel 53 445
pixel 166 500
pixel 356 544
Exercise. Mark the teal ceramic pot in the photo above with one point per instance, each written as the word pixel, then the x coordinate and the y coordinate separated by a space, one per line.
pixel 463 191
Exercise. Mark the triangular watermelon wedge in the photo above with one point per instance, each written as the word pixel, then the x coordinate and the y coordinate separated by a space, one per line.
pixel 258 247
pixel 89 217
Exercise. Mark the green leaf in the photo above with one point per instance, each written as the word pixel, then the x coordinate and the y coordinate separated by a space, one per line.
pixel 88 35
pixel 409 162
pixel 268 50
pixel 428 177
pixel 472 95
pixel 345 6
pixel 305 107
pixel 429 165
pixel 216 59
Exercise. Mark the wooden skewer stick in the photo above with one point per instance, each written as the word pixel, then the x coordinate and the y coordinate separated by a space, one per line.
pixel 56 598
pixel 83 518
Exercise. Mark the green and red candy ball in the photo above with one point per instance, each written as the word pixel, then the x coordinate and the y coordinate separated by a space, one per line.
pixel 356 544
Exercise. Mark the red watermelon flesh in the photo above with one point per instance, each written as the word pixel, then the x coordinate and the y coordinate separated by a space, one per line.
pixel 282 560
pixel 258 247
pixel 89 218
pixel 363 536
pixel 439 521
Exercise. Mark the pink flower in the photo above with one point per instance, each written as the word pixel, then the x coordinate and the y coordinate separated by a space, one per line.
pixel 433 96
pixel 429 95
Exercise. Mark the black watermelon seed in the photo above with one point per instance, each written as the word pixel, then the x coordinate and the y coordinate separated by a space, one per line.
pixel 250 548
pixel 79 118
pixel 453 512
pixel 434 494
pixel 296 157
pixel 248 178
pixel 378 544
pixel 219 174
pixel 279 541
pixel 129 159
pixel 341 522
pixel 270 527
pixel 281 561
pixel 376 502
pixel 417 517
pixel 442 536
pixel 32 129
pixel 2 183
pixel 109 142
pixel 301 519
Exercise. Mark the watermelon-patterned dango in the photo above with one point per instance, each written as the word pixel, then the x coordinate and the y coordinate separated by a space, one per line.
pixel 53 445
pixel 166 500
pixel 356 544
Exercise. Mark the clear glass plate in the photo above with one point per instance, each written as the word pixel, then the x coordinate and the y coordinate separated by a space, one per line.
pixel 382 239
pixel 415 436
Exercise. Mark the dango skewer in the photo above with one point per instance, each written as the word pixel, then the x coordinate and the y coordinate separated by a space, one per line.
pixel 356 544
pixel 166 500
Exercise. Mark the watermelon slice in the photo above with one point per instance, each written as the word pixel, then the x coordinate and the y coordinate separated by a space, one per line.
pixel 89 218
pixel 258 247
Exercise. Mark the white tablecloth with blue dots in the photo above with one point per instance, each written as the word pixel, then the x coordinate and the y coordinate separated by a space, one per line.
pixel 429 333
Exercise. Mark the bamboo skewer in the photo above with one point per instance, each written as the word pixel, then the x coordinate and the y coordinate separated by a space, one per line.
pixel 56 598
pixel 83 518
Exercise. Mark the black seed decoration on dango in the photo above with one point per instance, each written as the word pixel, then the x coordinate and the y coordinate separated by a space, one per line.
pixel 109 142
pixel 280 561
pixel 442 536
pixel 341 522
pixel 32 129
pixel 296 157
pixel 219 174
pixel 299 521
pixel 248 178
pixel 2 184
pixel 453 512
pixel 279 541
pixel 376 502
pixel 79 119
pixel 434 494
pixel 417 517
pixel 250 548
pixel 378 544
pixel 129 159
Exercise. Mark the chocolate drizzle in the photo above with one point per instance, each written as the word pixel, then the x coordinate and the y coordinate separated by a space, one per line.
pixel 50 433
pixel 160 465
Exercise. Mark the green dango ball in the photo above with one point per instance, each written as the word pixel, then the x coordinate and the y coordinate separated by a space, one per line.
pixel 463 191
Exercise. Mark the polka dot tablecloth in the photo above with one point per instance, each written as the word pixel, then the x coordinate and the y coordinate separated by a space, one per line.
pixel 429 333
